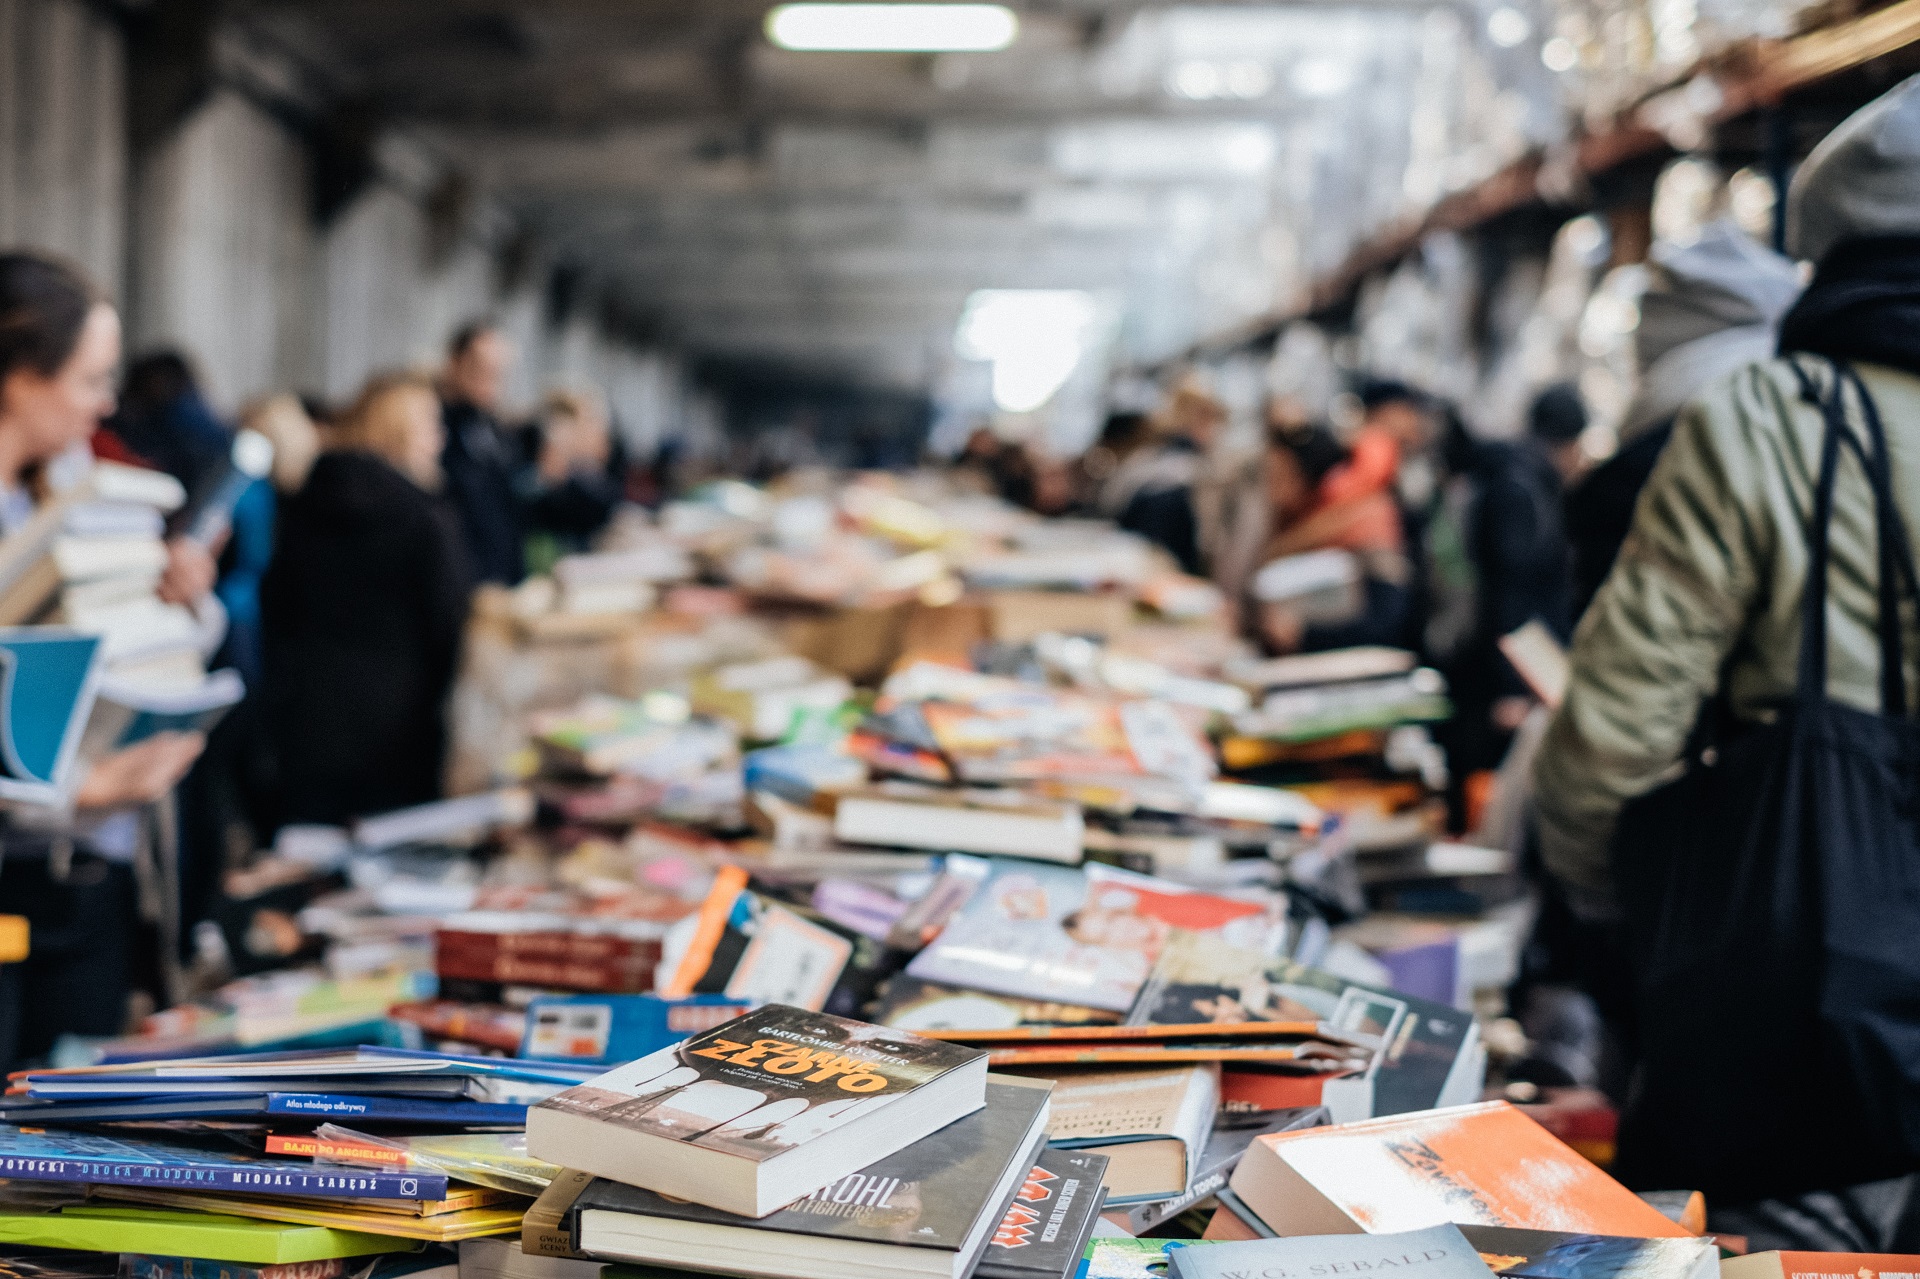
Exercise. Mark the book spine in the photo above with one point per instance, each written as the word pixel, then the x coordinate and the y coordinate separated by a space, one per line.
pixel 338 1151
pixel 397 1109
pixel 505 969
pixel 265 1179
pixel 572 947
pixel 1144 1217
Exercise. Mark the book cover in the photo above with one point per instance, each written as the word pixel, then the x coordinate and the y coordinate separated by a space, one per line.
pixel 929 1195
pixel 925 1007
pixel 1109 1258
pixel 1416 1044
pixel 448 1227
pixel 174 1232
pixel 1486 1164
pixel 763 1084
pixel 1438 1252
pixel 1045 1230
pixel 1233 1132
pixel 1090 936
pixel 401 1110
pixel 139 1266
pixel 123 1161
pixel 1821 1265
pixel 1549 1254
pixel 49 677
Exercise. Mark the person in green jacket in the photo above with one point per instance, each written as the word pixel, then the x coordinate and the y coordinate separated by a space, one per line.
pixel 1704 600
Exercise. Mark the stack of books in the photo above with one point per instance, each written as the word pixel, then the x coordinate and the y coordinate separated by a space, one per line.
pixel 797 1145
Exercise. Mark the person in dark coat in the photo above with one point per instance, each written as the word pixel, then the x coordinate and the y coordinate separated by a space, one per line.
pixel 479 461
pixel 364 607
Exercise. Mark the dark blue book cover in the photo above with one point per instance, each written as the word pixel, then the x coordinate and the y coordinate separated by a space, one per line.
pixel 471 1114
pixel 93 1159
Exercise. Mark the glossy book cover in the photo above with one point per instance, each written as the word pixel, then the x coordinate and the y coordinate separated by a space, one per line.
pixel 764 1083
pixel 928 1195
pixel 36 1155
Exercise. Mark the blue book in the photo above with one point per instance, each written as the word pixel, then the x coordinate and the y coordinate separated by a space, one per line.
pixel 49 677
pixel 410 1110
pixel 605 1030
pixel 93 1159
pixel 1438 1252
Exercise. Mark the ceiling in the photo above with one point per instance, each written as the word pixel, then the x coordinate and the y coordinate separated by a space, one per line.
pixel 1191 164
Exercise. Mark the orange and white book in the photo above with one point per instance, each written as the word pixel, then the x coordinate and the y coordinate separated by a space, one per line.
pixel 1486 1164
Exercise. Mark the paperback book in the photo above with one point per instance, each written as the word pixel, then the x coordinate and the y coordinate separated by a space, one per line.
pixel 756 1113
pixel 928 1209
pixel 1438 1252
pixel 1045 1230
pixel 120 1161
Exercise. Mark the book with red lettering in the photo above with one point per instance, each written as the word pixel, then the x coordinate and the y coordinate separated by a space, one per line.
pixel 1821 1265
pixel 925 1212
pixel 760 1111
pixel 1045 1230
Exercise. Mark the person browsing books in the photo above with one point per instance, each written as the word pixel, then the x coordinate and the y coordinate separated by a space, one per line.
pixel 70 873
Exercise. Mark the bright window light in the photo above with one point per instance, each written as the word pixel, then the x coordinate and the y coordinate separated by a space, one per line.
pixel 1033 337
pixel 893 28
pixel 1321 78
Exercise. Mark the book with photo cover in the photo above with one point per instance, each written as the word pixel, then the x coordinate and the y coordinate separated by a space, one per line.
pixel 1089 936
pixel 1045 1231
pixel 926 1210
pixel 756 1113
pixel 1436 1056
pixel 1554 1254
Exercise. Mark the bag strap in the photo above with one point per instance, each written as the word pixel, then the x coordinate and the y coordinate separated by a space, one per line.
pixel 1895 555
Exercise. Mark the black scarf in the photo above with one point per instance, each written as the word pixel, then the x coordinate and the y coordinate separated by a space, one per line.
pixel 1863 304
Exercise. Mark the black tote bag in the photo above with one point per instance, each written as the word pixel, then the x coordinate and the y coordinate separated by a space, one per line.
pixel 1771 914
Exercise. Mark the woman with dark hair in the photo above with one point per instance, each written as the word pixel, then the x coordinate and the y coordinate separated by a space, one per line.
pixel 59 348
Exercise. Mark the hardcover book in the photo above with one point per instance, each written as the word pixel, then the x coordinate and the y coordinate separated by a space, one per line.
pixel 120 1161
pixel 926 1210
pixel 1151 1125
pixel 1045 1230
pixel 1438 1252
pixel 756 1113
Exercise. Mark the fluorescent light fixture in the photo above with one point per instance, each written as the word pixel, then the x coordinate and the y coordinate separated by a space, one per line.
pixel 892 28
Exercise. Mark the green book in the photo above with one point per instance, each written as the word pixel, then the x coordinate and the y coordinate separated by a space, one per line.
pixel 174 1232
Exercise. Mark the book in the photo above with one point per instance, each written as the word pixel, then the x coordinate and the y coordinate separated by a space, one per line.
pixel 1326 710
pixel 609 1029
pixel 140 1266
pixel 1322 586
pixel 1234 1220
pixel 547 1228
pixel 1486 1164
pixel 446 1227
pixel 130 710
pixel 925 1007
pixel 1438 1252
pixel 1338 666
pixel 1045 1230
pixel 1423 1053
pixel 928 1209
pixel 1089 937
pixel 175 1232
pixel 503 1259
pixel 1151 1052
pixel 1150 1124
pixel 758 1112
pixel 904 815
pixel 1110 1258
pixel 1549 1254
pixel 496 1160
pixel 82 559
pixel 126 1161
pixel 1541 659
pixel 1232 1133
pixel 49 678
pixel 394 1110
pixel 1819 1265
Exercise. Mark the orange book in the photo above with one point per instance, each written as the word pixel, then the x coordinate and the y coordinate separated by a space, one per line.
pixel 1268 1090
pixel 1485 1165
pixel 1820 1265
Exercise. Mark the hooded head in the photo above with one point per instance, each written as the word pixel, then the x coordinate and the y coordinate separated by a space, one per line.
pixel 1863 181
